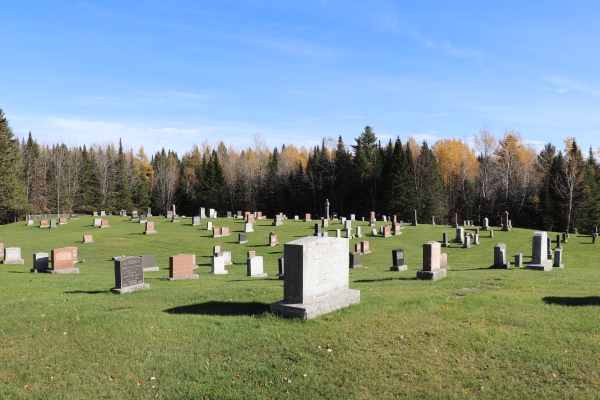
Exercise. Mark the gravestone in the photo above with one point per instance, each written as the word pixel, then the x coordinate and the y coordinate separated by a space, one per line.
pixel 372 222
pixel 575 231
pixel 519 260
pixel 445 240
pixel 281 265
pixel 476 239
pixel 564 237
pixel 491 234
pixel 317 278
pixel 134 215
pixel 216 232
pixel 455 221
pixel 254 267
pixel 466 242
pixel 242 238
pixel 44 223
pixel 500 256
pixel 149 212
pixel 209 226
pixel 239 214
pixel 338 233
pixel 40 262
pixel 444 261
pixel 273 239
pixel 594 236
pixel 173 209
pixel 549 248
pixel 398 260
pixel 397 228
pixel 175 218
pixel 2 250
pixel 432 220
pixel 505 223
pixel 30 222
pixel 181 267
pixel 149 228
pixel 386 231
pixel 88 239
pixel 355 260
pixel 485 225
pixel 352 217
pixel 202 212
pixel 343 220
pixel 12 255
pixel 229 214
pixel 558 258
pixel 225 231
pixel 195 221
pixel 129 275
pixel 95 214
pixel 123 213
pixel 104 224
pixel 296 218
pixel 62 221
pixel 460 235
pixel 227 257
pixel 383 218
pixel 364 247
pixel 149 263
pixel 539 250
pixel 97 222
pixel 169 214
pixel 317 230
pixel 357 233
pixel 103 213
pixel 307 218
pixel 374 232
pixel 277 221
pixel 324 223
pixel 216 250
pixel 250 218
pixel 431 263
pixel 250 254
pixel 218 265
pixel 63 261
pixel 73 216
pixel 414 223
pixel 52 223
pixel 143 219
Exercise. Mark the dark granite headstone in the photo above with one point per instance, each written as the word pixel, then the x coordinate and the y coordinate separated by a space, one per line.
pixel 398 260
pixel 355 260
pixel 149 263
pixel 242 238
pixel 129 275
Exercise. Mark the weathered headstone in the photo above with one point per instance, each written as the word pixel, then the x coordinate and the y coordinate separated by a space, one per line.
pixel 500 256
pixel 149 263
pixel 169 214
pixel 455 221
pixel 181 266
pixel 149 212
pixel 564 237
pixel 12 255
pixel 355 260
pixel 476 239
pixel 73 216
pixel 485 225
pixel 129 275
pixel 373 232
pixel 242 238
pixel 281 265
pixel 143 219
pixel 398 260
pixel 317 278
pixel 227 257
pixel 431 262
pixel 273 239
pixel 277 220
pixel 63 261
pixel 491 233
pixel 250 253
pixel 594 236
pixel 397 228
pixel 519 260
pixel 444 261
pixel 239 214
pixel 149 228
pixel 52 223
pixel 209 226
pixel 254 267
pixel 386 231
pixel 40 262
pixel 95 214
pixel 505 224
pixel 88 239
pixel 134 215
pixel 216 250
pixel 460 235
pixel 29 222
pixel 466 242
pixel 558 258
pixel 218 265
pixel 539 259
pixel 352 217
pixel 229 214
pixel 175 218
pixel 196 221
pixel 202 212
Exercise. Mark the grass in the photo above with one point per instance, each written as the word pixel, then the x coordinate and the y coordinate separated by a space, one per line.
pixel 479 332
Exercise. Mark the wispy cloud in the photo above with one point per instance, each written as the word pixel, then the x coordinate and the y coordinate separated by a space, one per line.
pixel 568 84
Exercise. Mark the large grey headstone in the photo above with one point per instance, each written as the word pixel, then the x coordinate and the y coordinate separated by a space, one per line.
pixel 129 275
pixel 316 278
pixel 500 256
pixel 12 255
pixel 149 263
pixel 539 251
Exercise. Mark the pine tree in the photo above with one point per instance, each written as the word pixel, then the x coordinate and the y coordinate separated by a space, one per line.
pixel 122 190
pixel 13 195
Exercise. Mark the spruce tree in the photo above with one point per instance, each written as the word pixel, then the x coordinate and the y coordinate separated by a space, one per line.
pixel 13 195
pixel 123 191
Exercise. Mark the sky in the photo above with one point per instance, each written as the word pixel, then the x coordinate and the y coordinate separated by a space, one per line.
pixel 177 73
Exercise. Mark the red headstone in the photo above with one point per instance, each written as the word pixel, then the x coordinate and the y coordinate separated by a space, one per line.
pixel 181 265
pixel 62 258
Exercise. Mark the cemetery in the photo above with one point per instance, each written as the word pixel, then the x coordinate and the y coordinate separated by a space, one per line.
pixel 321 329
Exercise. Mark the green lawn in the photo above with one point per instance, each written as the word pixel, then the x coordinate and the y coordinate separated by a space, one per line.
pixel 479 332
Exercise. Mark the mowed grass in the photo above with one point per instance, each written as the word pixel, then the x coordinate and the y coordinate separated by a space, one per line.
pixel 479 332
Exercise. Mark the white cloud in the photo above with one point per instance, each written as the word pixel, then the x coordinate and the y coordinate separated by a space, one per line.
pixel 567 84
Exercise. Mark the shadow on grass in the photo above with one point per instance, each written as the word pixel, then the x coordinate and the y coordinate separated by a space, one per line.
pixel 572 301
pixel 385 279
pixel 223 308
pixel 86 292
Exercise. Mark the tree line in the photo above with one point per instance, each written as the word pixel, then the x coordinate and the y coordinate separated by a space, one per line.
pixel 554 189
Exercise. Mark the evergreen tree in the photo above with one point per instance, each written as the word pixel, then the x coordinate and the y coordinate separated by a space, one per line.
pixel 122 190
pixel 13 195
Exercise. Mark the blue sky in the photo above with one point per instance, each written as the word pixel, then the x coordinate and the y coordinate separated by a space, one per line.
pixel 175 73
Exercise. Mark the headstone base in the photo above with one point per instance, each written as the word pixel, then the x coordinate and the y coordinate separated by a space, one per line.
pixel 505 229
pixel 35 271
pixel 149 232
pixel 366 252
pixel 151 269
pixel 105 226
pixel 131 289
pixel 258 275
pixel 502 266
pixel 274 244
pixel 399 268
pixel 182 278
pixel 242 242
pixel 21 261
pixel 355 266
pixel 277 224
pixel 431 275
pixel 316 307
pixel 546 266
pixel 559 266
pixel 223 272
pixel 63 271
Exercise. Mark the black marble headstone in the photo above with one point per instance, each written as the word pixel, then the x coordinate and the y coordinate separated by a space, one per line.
pixel 128 272
pixel 354 259
pixel 397 257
